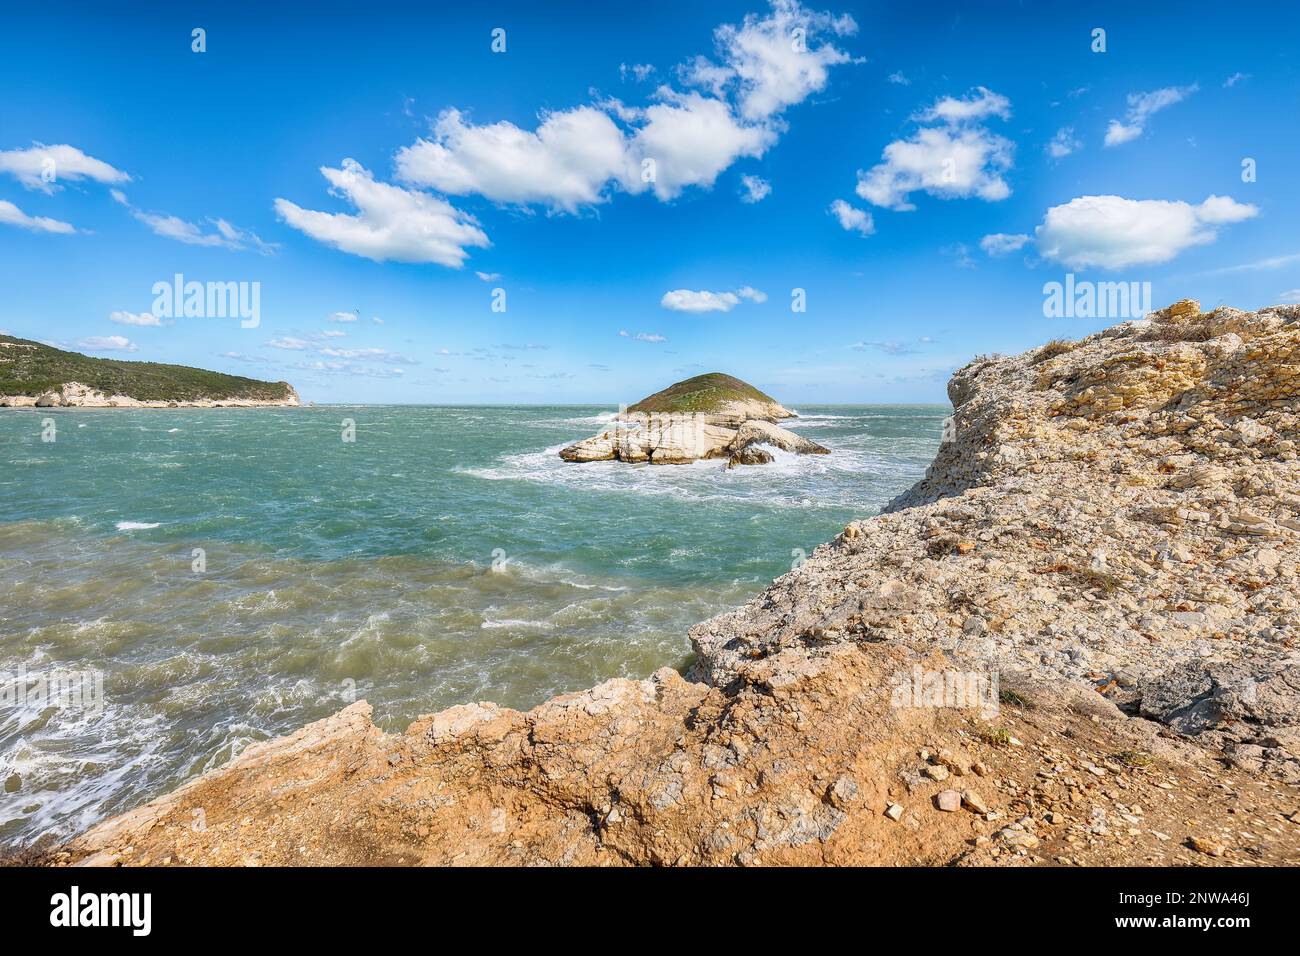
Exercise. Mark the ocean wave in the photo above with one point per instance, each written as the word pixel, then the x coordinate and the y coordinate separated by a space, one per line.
pixel 136 525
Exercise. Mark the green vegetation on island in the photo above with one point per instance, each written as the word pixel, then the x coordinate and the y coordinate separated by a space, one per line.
pixel 710 392
pixel 33 369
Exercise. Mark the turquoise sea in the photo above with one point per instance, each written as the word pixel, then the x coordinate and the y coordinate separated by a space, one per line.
pixel 231 574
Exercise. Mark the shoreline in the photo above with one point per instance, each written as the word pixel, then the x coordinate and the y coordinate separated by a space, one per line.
pixel 789 746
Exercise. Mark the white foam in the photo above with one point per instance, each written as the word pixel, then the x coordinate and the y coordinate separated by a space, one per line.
pixel 136 525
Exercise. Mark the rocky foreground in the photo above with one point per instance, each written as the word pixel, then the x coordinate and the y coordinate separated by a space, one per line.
pixel 1072 643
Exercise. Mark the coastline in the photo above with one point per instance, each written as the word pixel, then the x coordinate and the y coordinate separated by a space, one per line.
pixel 789 744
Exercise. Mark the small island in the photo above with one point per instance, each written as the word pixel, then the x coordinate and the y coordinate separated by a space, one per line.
pixel 709 416
pixel 33 374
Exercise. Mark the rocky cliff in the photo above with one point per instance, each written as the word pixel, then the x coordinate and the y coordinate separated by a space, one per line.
pixel 1072 643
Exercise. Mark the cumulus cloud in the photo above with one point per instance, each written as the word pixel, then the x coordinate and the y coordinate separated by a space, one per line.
pixel 754 189
pixel 565 163
pixel 980 104
pixel 691 139
pixel 44 167
pixel 899 79
pixel 686 300
pixel 1112 232
pixel 11 215
pixel 390 223
pixel 341 317
pixel 1141 107
pixel 771 62
pixel 106 343
pixel 684 138
pixel 1063 143
pixel 1002 244
pixel 144 319
pixel 958 159
pixel 853 219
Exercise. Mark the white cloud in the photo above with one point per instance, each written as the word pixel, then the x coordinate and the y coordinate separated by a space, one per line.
pixel 390 223
pixel 1063 143
pixel 1141 107
pixel 289 343
pixel 1001 243
pixel 943 162
pixel 638 71
pixel 769 69
pixel 374 354
pixel 341 317
pixel 223 235
pixel 1291 295
pixel 334 334
pixel 692 138
pixel 853 219
pixel 33 166
pixel 106 343
pixel 958 159
pixel 144 319
pixel 579 157
pixel 980 104
pixel 685 300
pixel 1235 79
pixel 899 79
pixel 1112 232
pixel 755 189
pixel 565 164
pixel 13 216
pixel 652 337
pixel 488 276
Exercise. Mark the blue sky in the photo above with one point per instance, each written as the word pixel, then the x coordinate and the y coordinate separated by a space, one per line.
pixel 919 176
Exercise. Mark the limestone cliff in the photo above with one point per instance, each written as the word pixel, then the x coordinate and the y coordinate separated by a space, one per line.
pixel 1072 643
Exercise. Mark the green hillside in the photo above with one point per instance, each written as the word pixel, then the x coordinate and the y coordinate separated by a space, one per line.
pixel 30 368
pixel 703 393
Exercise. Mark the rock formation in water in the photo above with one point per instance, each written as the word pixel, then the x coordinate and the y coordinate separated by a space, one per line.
pixel 708 416
pixel 1073 642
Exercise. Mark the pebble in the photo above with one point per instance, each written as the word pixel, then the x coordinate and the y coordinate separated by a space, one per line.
pixel 894 812
pixel 948 800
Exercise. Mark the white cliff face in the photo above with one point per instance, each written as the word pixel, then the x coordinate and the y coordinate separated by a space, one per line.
pixel 674 438
pixel 77 395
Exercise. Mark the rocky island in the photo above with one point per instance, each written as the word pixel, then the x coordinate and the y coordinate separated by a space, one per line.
pixel 33 374
pixel 708 416
pixel 1105 552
